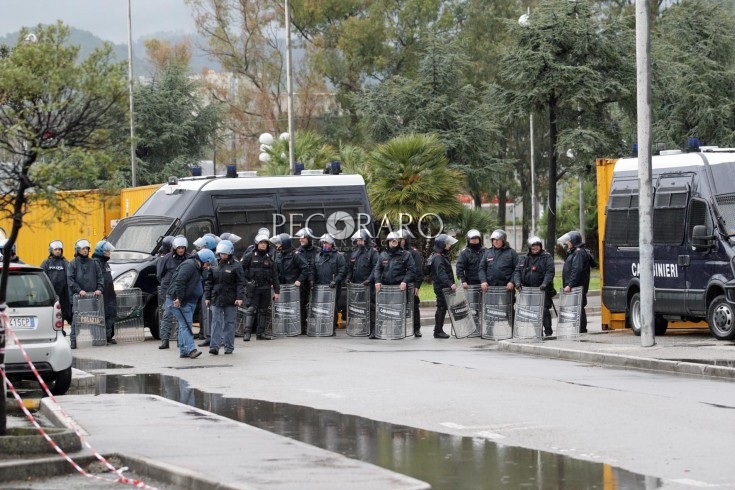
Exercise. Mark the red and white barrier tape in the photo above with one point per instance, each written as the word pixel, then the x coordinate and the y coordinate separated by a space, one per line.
pixel 119 472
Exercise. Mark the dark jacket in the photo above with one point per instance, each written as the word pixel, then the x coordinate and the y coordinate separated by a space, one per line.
pixel 329 267
pixel 468 264
pixel 165 269
pixel 309 253
pixel 108 293
pixel 84 274
pixel 292 266
pixel 576 270
pixel 361 265
pixel 56 268
pixel 394 267
pixel 186 283
pixel 442 275
pixel 260 270
pixel 535 270
pixel 226 283
pixel 497 266
pixel 418 264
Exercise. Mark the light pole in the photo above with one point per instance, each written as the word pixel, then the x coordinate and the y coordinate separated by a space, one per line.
pixel 130 90
pixel 523 20
pixel 289 88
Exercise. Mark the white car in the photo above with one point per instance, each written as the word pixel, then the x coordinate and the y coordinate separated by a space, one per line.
pixel 34 314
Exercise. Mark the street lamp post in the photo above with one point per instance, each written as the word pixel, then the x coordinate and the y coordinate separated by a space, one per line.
pixel 130 89
pixel 523 20
pixel 289 88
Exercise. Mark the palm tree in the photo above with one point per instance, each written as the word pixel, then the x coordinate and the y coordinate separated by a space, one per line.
pixel 410 177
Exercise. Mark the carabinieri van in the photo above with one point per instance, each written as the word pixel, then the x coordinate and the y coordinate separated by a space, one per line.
pixel 693 229
pixel 239 204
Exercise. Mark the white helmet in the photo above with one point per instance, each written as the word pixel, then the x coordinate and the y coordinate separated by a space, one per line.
pixel 305 233
pixel 393 235
pixel 473 233
pixel 54 245
pixel 362 234
pixel 82 243
pixel 261 237
pixel 327 238
pixel 535 240
pixel 264 231
pixel 225 247
pixel 180 241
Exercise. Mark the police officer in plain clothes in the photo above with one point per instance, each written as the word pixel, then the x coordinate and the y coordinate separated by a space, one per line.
pixel 576 270
pixel 498 263
pixel 536 269
pixel 308 252
pixel 442 277
pixel 164 271
pixel 330 268
pixel 418 262
pixel 395 266
pixel 361 266
pixel 184 293
pixel 56 266
pixel 84 277
pixel 224 290
pixel 260 272
pixel 102 252
pixel 468 263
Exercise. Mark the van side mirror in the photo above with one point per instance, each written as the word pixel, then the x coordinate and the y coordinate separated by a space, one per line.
pixel 700 240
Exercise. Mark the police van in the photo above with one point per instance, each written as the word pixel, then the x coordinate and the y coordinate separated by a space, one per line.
pixel 239 203
pixel 693 230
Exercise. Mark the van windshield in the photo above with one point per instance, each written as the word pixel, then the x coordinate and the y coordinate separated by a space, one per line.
pixel 726 205
pixel 140 234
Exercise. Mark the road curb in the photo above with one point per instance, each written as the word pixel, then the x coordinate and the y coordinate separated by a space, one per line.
pixel 617 360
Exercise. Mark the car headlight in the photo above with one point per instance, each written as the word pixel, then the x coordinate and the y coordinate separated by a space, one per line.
pixel 126 280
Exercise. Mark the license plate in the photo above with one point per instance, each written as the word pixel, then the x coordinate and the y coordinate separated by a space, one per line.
pixel 23 322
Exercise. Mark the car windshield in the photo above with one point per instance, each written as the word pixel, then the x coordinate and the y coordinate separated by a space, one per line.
pixel 139 235
pixel 29 289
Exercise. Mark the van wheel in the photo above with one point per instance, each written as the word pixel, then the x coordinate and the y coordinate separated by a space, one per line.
pixel 150 318
pixel 660 324
pixel 61 382
pixel 634 314
pixel 721 319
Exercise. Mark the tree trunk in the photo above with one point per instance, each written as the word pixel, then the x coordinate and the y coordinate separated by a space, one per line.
pixel 502 197
pixel 551 205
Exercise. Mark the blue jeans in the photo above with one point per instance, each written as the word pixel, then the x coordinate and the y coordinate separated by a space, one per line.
pixel 223 324
pixel 184 315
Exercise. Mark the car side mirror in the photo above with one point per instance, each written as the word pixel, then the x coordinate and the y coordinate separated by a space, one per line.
pixel 701 241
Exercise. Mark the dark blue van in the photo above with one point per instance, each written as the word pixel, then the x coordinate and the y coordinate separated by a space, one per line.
pixel 242 204
pixel 693 225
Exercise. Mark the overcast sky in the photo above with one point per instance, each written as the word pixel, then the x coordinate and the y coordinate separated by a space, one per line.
pixel 107 19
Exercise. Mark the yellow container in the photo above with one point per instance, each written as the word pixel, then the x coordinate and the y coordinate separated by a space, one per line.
pixel 78 214
pixel 132 197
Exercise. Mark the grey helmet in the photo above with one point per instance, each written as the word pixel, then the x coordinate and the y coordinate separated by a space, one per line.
pixel 327 238
pixel 305 233
pixel 498 235
pixel 535 240
pixel 81 243
pixel 362 234
pixel 282 240
pixel 231 237
pixel 393 235
pixel 573 236
pixel 54 245
pixel 167 244
pixel 441 240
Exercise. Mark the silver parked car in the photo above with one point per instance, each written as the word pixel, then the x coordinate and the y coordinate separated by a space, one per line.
pixel 34 314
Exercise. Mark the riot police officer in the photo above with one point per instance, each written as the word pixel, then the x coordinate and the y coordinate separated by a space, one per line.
pixel 260 271
pixel 418 262
pixel 330 268
pixel 224 290
pixel 468 263
pixel 361 266
pixel 576 270
pixel 442 277
pixel 164 271
pixel 536 269
pixel 308 252
pixel 498 263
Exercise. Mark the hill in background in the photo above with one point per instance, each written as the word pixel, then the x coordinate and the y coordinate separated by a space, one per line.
pixel 88 42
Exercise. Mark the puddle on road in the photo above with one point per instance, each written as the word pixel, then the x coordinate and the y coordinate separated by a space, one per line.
pixel 443 460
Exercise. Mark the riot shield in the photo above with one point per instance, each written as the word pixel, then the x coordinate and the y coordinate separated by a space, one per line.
pixel 474 299
pixel 570 312
pixel 390 313
pixel 358 310
pixel 410 291
pixel 205 320
pixel 129 320
pixel 463 325
pixel 89 319
pixel 321 311
pixel 287 312
pixel 497 303
pixel 529 315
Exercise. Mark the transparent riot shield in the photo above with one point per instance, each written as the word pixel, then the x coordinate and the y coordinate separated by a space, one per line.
pixel 474 299
pixel 89 319
pixel 410 292
pixel 240 321
pixel 390 313
pixel 321 311
pixel 497 304
pixel 129 320
pixel 463 325
pixel 529 315
pixel 570 312
pixel 287 312
pixel 358 310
